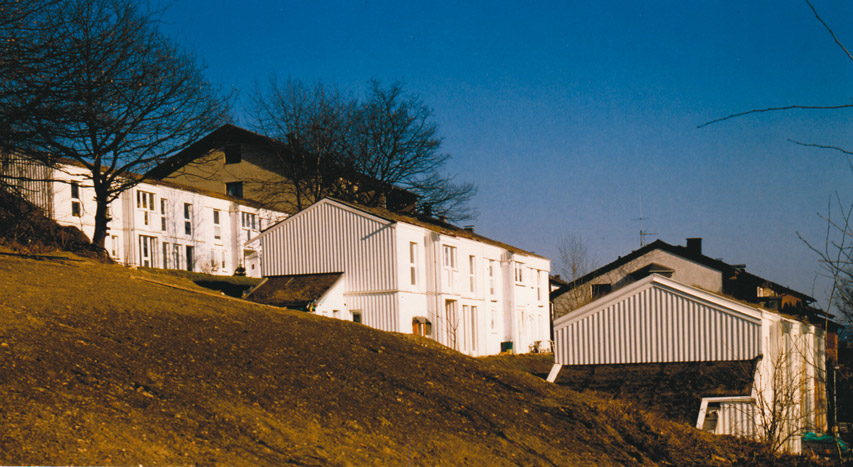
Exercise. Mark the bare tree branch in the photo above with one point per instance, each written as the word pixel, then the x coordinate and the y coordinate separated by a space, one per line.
pixel 831 33
pixel 774 109
pixel 99 84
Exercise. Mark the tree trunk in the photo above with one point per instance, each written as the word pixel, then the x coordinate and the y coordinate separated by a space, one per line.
pixel 101 218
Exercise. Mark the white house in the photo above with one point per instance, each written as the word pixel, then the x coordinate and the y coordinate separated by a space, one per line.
pixel 156 224
pixel 659 320
pixel 411 275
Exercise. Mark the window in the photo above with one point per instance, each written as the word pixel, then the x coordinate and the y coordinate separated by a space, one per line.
pixel 75 195
pixel 493 319
pixel 145 200
pixel 214 264
pixel 356 316
pixel 491 277
pixel 539 285
pixel 163 203
pixel 234 189
pixel 176 256
pixel 472 278
pixel 519 273
pixel 217 227
pixel 223 259
pixel 147 251
pixel 188 215
pixel 449 263
pixel 114 246
pixel 250 221
pixel 165 255
pixel 600 290
pixel 473 329
pixel 413 262
pixel 233 154
pixel 464 337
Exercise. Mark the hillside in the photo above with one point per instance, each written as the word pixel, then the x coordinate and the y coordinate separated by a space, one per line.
pixel 99 365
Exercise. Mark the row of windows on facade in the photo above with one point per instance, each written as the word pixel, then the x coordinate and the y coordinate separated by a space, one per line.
pixel 175 255
pixel 146 202
pixel 450 266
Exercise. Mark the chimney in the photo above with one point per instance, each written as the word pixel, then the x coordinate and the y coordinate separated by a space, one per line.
pixel 694 245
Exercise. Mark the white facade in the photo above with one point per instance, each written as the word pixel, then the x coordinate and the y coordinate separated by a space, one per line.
pixel 163 225
pixel 658 319
pixel 407 275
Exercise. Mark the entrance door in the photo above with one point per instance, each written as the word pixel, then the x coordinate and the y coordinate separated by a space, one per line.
pixel 190 258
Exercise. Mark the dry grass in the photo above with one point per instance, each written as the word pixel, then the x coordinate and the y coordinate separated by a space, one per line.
pixel 100 367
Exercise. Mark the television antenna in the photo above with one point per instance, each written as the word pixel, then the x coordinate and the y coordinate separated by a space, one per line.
pixel 643 233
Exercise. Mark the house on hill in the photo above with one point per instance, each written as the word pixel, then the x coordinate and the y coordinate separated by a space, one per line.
pixel 671 305
pixel 408 274
pixel 244 164
pixel 155 224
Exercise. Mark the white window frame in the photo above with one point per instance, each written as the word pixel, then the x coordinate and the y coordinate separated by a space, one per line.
pixel 217 226
pixel 491 277
pixel 472 273
pixel 413 263
pixel 188 219
pixel 449 262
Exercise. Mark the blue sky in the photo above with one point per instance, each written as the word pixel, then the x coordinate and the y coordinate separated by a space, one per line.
pixel 579 117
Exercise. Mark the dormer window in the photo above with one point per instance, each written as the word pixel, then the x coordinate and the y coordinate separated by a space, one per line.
pixel 600 290
pixel 233 154
pixel 234 189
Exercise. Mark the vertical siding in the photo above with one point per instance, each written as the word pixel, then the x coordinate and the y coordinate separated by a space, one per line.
pixel 736 418
pixel 32 178
pixel 378 311
pixel 328 238
pixel 657 325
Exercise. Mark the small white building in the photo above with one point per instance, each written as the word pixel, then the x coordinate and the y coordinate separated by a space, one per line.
pixel 157 224
pixel 660 320
pixel 410 275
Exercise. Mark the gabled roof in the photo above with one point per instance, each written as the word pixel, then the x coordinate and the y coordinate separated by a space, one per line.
pixel 724 304
pixel 296 291
pixel 726 269
pixel 231 134
pixel 429 223
pixel 226 134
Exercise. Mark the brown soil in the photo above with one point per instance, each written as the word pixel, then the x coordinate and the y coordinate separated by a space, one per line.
pixel 98 366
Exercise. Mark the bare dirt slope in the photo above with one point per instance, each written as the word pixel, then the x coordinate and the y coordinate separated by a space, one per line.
pixel 98 366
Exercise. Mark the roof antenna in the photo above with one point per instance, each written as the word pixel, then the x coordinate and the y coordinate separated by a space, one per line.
pixel 643 233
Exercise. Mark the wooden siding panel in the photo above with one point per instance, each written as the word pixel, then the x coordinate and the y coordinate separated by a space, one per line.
pixel 736 418
pixel 327 239
pixel 657 325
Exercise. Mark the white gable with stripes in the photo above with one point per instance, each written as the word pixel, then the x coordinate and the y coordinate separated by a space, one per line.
pixel 658 320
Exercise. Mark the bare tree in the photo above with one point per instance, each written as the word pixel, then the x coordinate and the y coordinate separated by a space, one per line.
pixel 103 87
pixel 836 255
pixel 313 122
pixel 787 385
pixel 396 142
pixel 573 262
pixel 364 151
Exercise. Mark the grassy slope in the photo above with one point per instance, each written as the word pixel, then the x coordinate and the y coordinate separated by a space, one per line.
pixel 100 367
